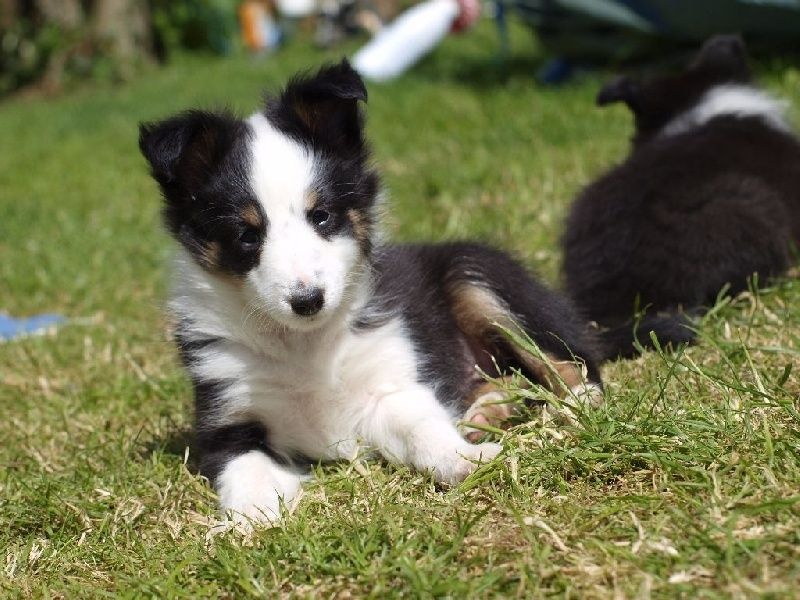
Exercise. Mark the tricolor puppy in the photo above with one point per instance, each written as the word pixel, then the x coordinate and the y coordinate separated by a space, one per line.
pixel 709 195
pixel 304 335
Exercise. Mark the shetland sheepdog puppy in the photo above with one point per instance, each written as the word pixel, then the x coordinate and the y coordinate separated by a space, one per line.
pixel 709 195
pixel 306 337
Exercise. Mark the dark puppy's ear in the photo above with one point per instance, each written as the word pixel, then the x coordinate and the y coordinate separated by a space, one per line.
pixel 724 56
pixel 620 89
pixel 325 104
pixel 185 146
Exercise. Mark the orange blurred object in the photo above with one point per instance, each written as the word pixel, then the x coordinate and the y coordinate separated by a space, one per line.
pixel 257 20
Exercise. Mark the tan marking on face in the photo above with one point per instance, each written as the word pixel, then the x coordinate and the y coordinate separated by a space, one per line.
pixel 209 255
pixel 312 197
pixel 360 228
pixel 252 216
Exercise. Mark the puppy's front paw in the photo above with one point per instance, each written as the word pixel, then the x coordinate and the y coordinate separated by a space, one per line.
pixel 252 487
pixel 247 507
pixel 464 460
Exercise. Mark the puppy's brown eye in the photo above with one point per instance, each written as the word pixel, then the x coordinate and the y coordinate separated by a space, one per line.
pixel 319 217
pixel 249 237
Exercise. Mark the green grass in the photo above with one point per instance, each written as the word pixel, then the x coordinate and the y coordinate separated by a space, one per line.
pixel 686 484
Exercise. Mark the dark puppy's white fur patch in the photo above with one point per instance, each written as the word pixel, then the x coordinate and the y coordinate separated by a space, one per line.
pixel 306 338
pixel 709 195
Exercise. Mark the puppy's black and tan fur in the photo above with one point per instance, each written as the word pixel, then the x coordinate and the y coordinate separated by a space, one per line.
pixel 305 335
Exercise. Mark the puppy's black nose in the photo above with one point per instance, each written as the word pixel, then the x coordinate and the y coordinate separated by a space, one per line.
pixel 307 302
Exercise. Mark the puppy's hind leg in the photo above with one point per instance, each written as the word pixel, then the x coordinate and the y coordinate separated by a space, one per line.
pixel 489 292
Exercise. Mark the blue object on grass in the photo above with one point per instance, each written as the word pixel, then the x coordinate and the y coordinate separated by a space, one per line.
pixel 555 71
pixel 11 328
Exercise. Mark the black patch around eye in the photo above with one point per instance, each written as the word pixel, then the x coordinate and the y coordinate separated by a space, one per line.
pixel 319 218
pixel 250 237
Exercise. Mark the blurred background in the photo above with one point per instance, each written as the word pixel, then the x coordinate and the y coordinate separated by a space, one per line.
pixel 481 116
pixel 47 45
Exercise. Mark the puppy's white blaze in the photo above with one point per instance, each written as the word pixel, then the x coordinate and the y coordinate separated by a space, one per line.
pixel 252 486
pixel 294 255
pixel 730 100
pixel 281 173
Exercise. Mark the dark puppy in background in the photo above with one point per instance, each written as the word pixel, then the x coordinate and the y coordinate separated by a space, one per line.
pixel 305 336
pixel 709 195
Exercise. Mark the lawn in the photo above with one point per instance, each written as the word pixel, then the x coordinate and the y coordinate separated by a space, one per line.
pixel 685 484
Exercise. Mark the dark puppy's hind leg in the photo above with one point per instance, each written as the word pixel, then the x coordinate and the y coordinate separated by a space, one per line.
pixel 670 329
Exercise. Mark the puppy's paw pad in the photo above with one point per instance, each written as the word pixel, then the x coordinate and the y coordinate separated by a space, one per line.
pixel 491 409
pixel 590 394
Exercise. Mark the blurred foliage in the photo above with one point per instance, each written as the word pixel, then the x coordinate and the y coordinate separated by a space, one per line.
pixel 37 52
pixel 209 25
pixel 24 50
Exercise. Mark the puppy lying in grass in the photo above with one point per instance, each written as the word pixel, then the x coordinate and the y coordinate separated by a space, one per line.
pixel 305 336
pixel 709 195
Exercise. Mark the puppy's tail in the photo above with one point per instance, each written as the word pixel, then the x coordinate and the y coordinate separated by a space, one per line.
pixel 627 339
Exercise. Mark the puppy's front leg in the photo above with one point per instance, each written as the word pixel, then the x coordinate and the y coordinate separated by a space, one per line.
pixel 411 427
pixel 251 484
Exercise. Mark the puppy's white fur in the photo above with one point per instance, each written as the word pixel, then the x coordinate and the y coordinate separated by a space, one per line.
pixel 252 486
pixel 322 388
pixel 730 100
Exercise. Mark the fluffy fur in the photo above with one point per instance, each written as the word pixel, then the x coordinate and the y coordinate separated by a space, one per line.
pixel 709 195
pixel 305 337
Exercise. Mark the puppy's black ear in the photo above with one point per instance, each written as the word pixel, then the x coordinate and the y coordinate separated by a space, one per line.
pixel 621 89
pixel 723 56
pixel 186 146
pixel 325 105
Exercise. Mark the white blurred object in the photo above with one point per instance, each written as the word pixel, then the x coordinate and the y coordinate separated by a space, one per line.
pixel 412 35
pixel 296 8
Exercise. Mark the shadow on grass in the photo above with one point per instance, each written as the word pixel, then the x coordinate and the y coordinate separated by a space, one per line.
pixel 175 442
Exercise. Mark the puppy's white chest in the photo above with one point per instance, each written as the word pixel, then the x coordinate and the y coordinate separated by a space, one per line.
pixel 318 400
